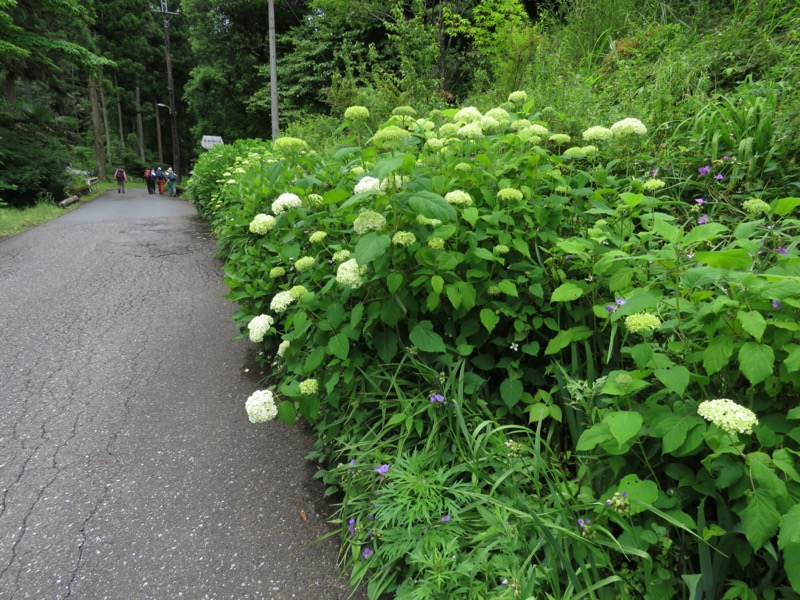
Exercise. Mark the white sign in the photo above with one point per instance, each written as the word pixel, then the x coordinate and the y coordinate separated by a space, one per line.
pixel 209 141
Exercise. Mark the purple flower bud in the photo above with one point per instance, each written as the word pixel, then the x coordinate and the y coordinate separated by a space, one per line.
pixel 719 177
pixel 704 170
pixel 781 250
pixel 702 220
pixel 700 200
pixel 726 157
pixel 437 398
pixel 624 494
pixel 383 469
pixel 620 302
pixel 581 523
pixel 611 308
pixel 445 518
pixel 351 526
pixel 568 257
pixel 776 304
pixel 367 552
pixel 608 502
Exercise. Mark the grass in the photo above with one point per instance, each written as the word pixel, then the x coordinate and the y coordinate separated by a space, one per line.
pixel 14 221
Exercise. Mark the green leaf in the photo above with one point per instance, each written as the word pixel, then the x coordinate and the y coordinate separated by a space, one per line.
pixel 596 434
pixel 717 354
pixel 752 322
pixel 790 528
pixel 511 392
pixel 426 339
pixel 674 378
pixel 624 425
pixel 566 292
pixel 639 491
pixel 437 283
pixel 453 295
pixel 393 282
pixel 432 206
pixel 470 215
pixel 756 361
pixel 386 166
pixel 564 338
pixel 702 233
pixel 371 246
pixel 286 412
pixel 760 519
pixel 734 259
pixel 784 206
pixel 489 319
pixel 398 418
pixel 339 346
pixel 314 359
pixel 507 287
pixel 391 313
pixel 335 315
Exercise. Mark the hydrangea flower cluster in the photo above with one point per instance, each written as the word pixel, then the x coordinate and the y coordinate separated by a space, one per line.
pixel 349 274
pixel 423 220
pixel 315 200
pixel 317 237
pixel 597 134
pixel 261 407
pixel 367 184
pixel 459 198
pixel 281 301
pixel 498 114
pixel 390 137
pixel 368 220
pixel 756 206
pixel 509 194
pixel 276 272
pixel 262 223
pixel 642 322
pixel 518 97
pixel 258 327
pixel 298 291
pixel 468 114
pixel 436 243
pixel 728 415
pixel 560 138
pixel 304 263
pixel 289 144
pixel 340 255
pixel 404 238
pixel 470 131
pixel 500 249
pixel 652 185
pixel 309 387
pixel 627 127
pixel 357 113
pixel 284 202
pixel 283 347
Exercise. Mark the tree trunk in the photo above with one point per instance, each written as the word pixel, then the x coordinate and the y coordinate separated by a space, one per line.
pixel 99 152
pixel 105 123
pixel 119 115
pixel 139 125
pixel 11 89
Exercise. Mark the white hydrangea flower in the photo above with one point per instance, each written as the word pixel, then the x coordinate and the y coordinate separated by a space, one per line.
pixel 597 134
pixel 468 114
pixel 368 220
pixel 341 255
pixel 728 415
pixel 539 130
pixel 404 238
pixel 304 263
pixel 367 184
pixel 518 97
pixel 261 407
pixel 258 327
pixel 283 347
pixel 309 387
pixel 489 123
pixel 281 301
pixel 510 194
pixel 357 113
pixel 459 198
pixel 285 202
pixel 317 236
pixel 262 223
pixel 349 274
pixel 448 130
pixel 628 126
pixel 498 114
pixel 642 322
pixel 471 131
pixel 652 185
pixel 560 138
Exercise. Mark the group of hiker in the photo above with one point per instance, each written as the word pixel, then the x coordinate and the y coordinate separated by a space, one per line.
pixel 153 178
pixel 158 177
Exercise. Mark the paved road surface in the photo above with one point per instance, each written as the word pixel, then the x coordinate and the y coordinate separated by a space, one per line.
pixel 128 468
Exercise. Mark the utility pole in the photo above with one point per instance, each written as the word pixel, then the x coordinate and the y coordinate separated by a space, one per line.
pixel 163 8
pixel 273 70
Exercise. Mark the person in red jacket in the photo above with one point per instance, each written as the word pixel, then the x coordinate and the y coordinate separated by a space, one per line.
pixel 160 179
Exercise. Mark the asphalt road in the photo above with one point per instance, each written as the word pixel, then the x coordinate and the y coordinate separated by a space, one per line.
pixel 128 468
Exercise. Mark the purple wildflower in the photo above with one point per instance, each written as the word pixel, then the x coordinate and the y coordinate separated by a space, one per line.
pixel 568 257
pixel 781 250
pixel 611 308
pixel 700 200
pixel 704 170
pixel 654 172
pixel 719 177
pixel 437 398
pixel 702 220
pixel 383 469
pixel 776 304
pixel 620 302
pixel 367 552
pixel 351 526
pixel 608 502
pixel 726 157
pixel 445 518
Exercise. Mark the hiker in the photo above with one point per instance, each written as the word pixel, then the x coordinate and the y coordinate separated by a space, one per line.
pixel 160 179
pixel 172 180
pixel 150 180
pixel 121 176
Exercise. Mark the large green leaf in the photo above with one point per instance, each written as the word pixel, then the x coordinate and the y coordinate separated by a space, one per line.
pixel 339 346
pixel 489 319
pixel 426 339
pixel 717 354
pixel 784 206
pixel 371 246
pixel 511 392
pixel 735 259
pixel 624 425
pixel 752 322
pixel 432 206
pixel 756 361
pixel 674 378
pixel 760 519
pixel 566 292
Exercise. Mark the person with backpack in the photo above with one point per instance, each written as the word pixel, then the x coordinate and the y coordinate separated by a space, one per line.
pixel 121 178
pixel 149 179
pixel 160 179
pixel 172 180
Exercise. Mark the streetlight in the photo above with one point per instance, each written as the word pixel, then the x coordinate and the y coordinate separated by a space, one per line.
pixel 163 8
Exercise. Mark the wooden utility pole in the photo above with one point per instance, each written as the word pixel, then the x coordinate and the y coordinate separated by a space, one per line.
pixel 158 135
pixel 97 126
pixel 163 8
pixel 139 125
pixel 273 70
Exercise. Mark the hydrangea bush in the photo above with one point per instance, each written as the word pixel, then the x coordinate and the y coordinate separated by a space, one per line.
pixel 585 296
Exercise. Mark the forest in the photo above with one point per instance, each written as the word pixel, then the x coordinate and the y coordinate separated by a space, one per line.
pixel 529 270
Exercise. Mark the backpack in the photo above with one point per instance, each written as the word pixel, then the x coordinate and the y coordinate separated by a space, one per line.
pixel 147 174
pixel 120 174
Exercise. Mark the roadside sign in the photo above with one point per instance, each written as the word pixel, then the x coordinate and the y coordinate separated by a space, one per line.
pixel 209 141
